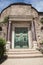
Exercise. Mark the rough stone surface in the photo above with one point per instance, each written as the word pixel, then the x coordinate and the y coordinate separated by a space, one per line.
pixel 23 10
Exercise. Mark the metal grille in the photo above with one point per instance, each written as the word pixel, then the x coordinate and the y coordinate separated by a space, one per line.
pixel 21 37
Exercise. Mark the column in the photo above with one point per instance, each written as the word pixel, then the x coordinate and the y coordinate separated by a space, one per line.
pixel 34 35
pixel 29 39
pixel 13 35
pixel 8 40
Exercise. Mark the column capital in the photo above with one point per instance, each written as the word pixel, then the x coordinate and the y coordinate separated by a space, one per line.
pixel 35 18
pixel 9 21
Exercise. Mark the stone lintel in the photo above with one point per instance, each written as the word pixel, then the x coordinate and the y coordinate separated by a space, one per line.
pixel 20 17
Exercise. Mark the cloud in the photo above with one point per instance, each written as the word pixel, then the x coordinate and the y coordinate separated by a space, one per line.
pixel 38 4
pixel 4 3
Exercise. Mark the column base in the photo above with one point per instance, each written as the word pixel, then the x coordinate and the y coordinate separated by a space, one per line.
pixel 8 45
pixel 34 44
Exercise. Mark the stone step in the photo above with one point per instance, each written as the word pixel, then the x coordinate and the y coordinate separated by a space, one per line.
pixel 23 53
pixel 21 50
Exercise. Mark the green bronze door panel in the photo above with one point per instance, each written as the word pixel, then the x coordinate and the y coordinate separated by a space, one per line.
pixel 21 37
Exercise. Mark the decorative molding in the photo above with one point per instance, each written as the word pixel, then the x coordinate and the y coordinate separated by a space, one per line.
pixel 21 17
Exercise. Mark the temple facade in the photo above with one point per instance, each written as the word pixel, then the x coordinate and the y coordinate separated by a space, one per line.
pixel 23 30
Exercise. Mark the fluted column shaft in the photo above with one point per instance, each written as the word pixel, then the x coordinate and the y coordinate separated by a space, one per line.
pixel 8 37
pixel 34 35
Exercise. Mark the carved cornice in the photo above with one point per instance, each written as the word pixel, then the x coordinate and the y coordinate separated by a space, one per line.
pixel 20 17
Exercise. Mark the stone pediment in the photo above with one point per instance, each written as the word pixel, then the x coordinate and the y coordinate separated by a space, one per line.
pixel 19 11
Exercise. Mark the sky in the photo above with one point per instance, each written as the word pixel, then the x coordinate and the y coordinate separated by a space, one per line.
pixel 38 4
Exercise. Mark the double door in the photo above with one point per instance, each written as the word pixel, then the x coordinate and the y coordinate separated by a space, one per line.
pixel 21 38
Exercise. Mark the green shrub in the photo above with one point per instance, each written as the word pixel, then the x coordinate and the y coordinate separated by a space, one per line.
pixel 41 20
pixel 5 20
pixel 42 42
pixel 2 47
